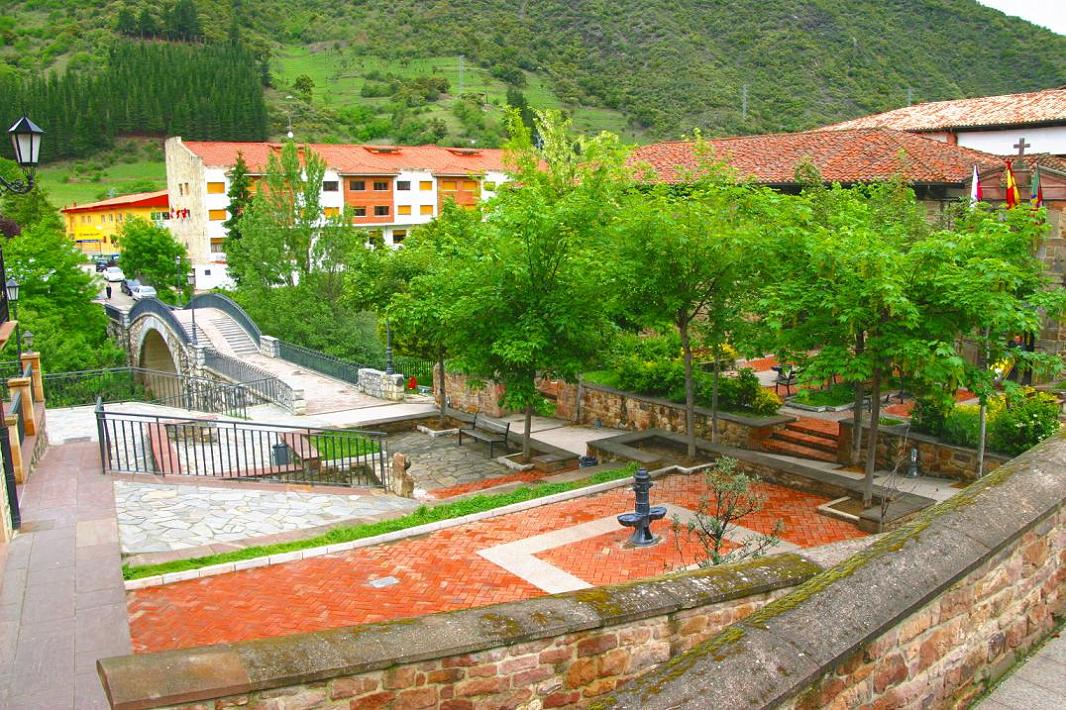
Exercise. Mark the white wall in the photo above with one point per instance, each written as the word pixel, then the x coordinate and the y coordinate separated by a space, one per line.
pixel 414 198
pixel 1044 140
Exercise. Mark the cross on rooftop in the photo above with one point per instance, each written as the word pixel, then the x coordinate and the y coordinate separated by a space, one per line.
pixel 1021 145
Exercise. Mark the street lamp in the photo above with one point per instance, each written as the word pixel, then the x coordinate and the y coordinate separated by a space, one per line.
pixel 192 302
pixel 28 339
pixel 12 288
pixel 26 140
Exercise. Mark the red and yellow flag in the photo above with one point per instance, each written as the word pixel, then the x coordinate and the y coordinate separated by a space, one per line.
pixel 1013 195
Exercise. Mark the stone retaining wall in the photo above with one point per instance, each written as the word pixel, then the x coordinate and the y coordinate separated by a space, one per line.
pixel 550 652
pixel 605 406
pixel 380 384
pixel 935 457
pixel 465 398
pixel 928 616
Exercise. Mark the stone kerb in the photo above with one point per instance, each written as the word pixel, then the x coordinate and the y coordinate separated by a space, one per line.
pixel 934 456
pixel 269 346
pixel 927 616
pixel 551 651
pixel 381 385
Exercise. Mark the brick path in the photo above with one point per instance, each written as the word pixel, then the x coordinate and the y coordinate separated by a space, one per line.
pixel 437 572
pixel 62 599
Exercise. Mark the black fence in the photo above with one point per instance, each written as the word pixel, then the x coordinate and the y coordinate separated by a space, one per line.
pixel 244 451
pixel 16 409
pixel 256 380
pixel 138 384
pixel 348 371
pixel 230 308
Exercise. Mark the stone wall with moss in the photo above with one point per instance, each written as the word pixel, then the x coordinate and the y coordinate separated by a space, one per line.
pixel 935 457
pixel 551 652
pixel 928 616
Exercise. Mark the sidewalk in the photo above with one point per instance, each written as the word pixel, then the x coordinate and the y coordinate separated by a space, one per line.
pixel 1038 684
pixel 62 603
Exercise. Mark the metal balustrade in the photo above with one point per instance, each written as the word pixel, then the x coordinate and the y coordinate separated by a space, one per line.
pixel 138 384
pixel 252 378
pixel 229 307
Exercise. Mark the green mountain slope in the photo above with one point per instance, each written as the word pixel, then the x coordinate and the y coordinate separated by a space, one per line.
pixel 657 67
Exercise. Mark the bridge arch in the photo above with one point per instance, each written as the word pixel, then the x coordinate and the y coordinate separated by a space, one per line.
pixel 159 344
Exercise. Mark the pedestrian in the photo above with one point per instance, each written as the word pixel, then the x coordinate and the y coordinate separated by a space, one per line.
pixel 107 290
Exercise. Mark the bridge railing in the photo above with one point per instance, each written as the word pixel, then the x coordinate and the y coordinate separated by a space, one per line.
pixel 230 308
pixel 252 378
pixel 144 443
pixel 348 370
pixel 164 312
pixel 138 384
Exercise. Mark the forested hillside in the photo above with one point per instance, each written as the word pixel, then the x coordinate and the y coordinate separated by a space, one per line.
pixel 654 67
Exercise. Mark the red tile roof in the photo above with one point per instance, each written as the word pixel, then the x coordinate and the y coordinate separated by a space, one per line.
pixel 351 159
pixel 1034 107
pixel 841 156
pixel 137 199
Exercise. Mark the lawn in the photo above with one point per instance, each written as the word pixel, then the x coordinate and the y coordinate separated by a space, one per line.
pixel 835 396
pixel 65 187
pixel 343 446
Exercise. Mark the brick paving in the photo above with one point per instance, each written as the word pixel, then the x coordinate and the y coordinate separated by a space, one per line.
pixel 437 572
pixel 62 603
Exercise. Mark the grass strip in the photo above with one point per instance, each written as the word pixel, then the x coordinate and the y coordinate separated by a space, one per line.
pixel 422 515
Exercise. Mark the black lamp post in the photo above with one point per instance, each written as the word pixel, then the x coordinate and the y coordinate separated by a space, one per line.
pixel 12 288
pixel 26 140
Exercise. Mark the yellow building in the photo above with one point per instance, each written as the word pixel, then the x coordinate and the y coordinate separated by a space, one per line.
pixel 94 227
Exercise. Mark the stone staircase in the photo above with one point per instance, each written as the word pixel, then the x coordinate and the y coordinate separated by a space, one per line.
pixel 184 317
pixel 234 335
pixel 807 438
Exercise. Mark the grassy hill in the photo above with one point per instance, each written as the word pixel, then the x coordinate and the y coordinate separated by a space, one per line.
pixel 648 69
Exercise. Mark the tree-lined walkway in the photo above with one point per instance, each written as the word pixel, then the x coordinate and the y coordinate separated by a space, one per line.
pixel 62 603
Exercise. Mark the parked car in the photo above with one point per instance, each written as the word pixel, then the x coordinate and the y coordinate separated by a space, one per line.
pixel 113 273
pixel 143 291
pixel 101 264
pixel 128 285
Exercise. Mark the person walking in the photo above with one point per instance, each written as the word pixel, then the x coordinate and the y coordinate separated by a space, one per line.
pixel 107 290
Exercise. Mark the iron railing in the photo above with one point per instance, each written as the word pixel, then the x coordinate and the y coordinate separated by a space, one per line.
pixel 230 308
pixel 144 443
pixel 138 384
pixel 251 377
pixel 8 369
pixel 9 478
pixel 419 368
pixel 164 312
pixel 16 409
pixel 320 362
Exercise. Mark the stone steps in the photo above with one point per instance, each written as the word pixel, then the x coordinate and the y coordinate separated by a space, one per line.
pixel 777 446
pixel 810 441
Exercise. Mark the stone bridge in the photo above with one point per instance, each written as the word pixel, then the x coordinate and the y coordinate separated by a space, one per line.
pixel 226 344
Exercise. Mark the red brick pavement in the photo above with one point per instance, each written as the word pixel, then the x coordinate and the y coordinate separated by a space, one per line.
pixel 437 572
pixel 463 488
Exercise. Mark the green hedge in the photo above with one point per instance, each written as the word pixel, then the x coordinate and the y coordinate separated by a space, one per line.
pixel 1016 420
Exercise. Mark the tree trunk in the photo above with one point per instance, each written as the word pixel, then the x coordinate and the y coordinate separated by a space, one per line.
pixel 856 414
pixel 527 433
pixel 871 444
pixel 714 395
pixel 690 389
pixel 981 436
pixel 443 389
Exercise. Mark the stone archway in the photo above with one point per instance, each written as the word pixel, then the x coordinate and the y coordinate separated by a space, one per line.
pixel 160 353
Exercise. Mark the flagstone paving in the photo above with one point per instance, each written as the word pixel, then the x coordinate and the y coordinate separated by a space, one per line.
pixel 439 462
pixel 154 517
pixel 437 572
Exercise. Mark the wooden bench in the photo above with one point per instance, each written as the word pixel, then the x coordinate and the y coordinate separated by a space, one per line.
pixel 487 431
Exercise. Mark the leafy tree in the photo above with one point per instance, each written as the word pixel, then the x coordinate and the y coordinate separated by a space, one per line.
pixel 688 263
pixel 29 210
pixel 56 301
pixel 304 87
pixel 533 294
pixel 152 255
pixel 183 22
pixel 126 22
pixel 240 196
pixel 147 25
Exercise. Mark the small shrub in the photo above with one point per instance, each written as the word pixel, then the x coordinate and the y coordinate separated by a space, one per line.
pixel 962 426
pixel 1028 418
pixel 930 414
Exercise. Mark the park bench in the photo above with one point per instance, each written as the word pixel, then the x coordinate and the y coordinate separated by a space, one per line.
pixel 487 431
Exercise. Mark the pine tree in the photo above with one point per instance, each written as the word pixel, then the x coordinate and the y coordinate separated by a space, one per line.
pixel 240 195
pixel 147 26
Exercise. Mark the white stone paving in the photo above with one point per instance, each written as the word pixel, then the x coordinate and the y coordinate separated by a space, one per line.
pixel 154 517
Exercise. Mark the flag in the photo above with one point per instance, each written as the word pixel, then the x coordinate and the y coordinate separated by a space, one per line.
pixel 1013 197
pixel 976 194
pixel 1036 192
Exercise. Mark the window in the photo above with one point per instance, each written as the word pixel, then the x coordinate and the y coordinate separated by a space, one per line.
pixel 217 246
pixel 426 186
pixel 359 211
pixel 490 186
pixel 207 272
pixel 330 186
pixel 426 210
pixel 216 188
pixel 403 209
pixel 469 184
pixel 449 185
pixel 216 215
pixel 403 184
pixel 381 185
pixel 381 211
pixel 357 185
pixel 331 211
pixel 399 235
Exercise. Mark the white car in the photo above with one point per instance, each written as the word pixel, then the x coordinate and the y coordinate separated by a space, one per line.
pixel 113 273
pixel 143 291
